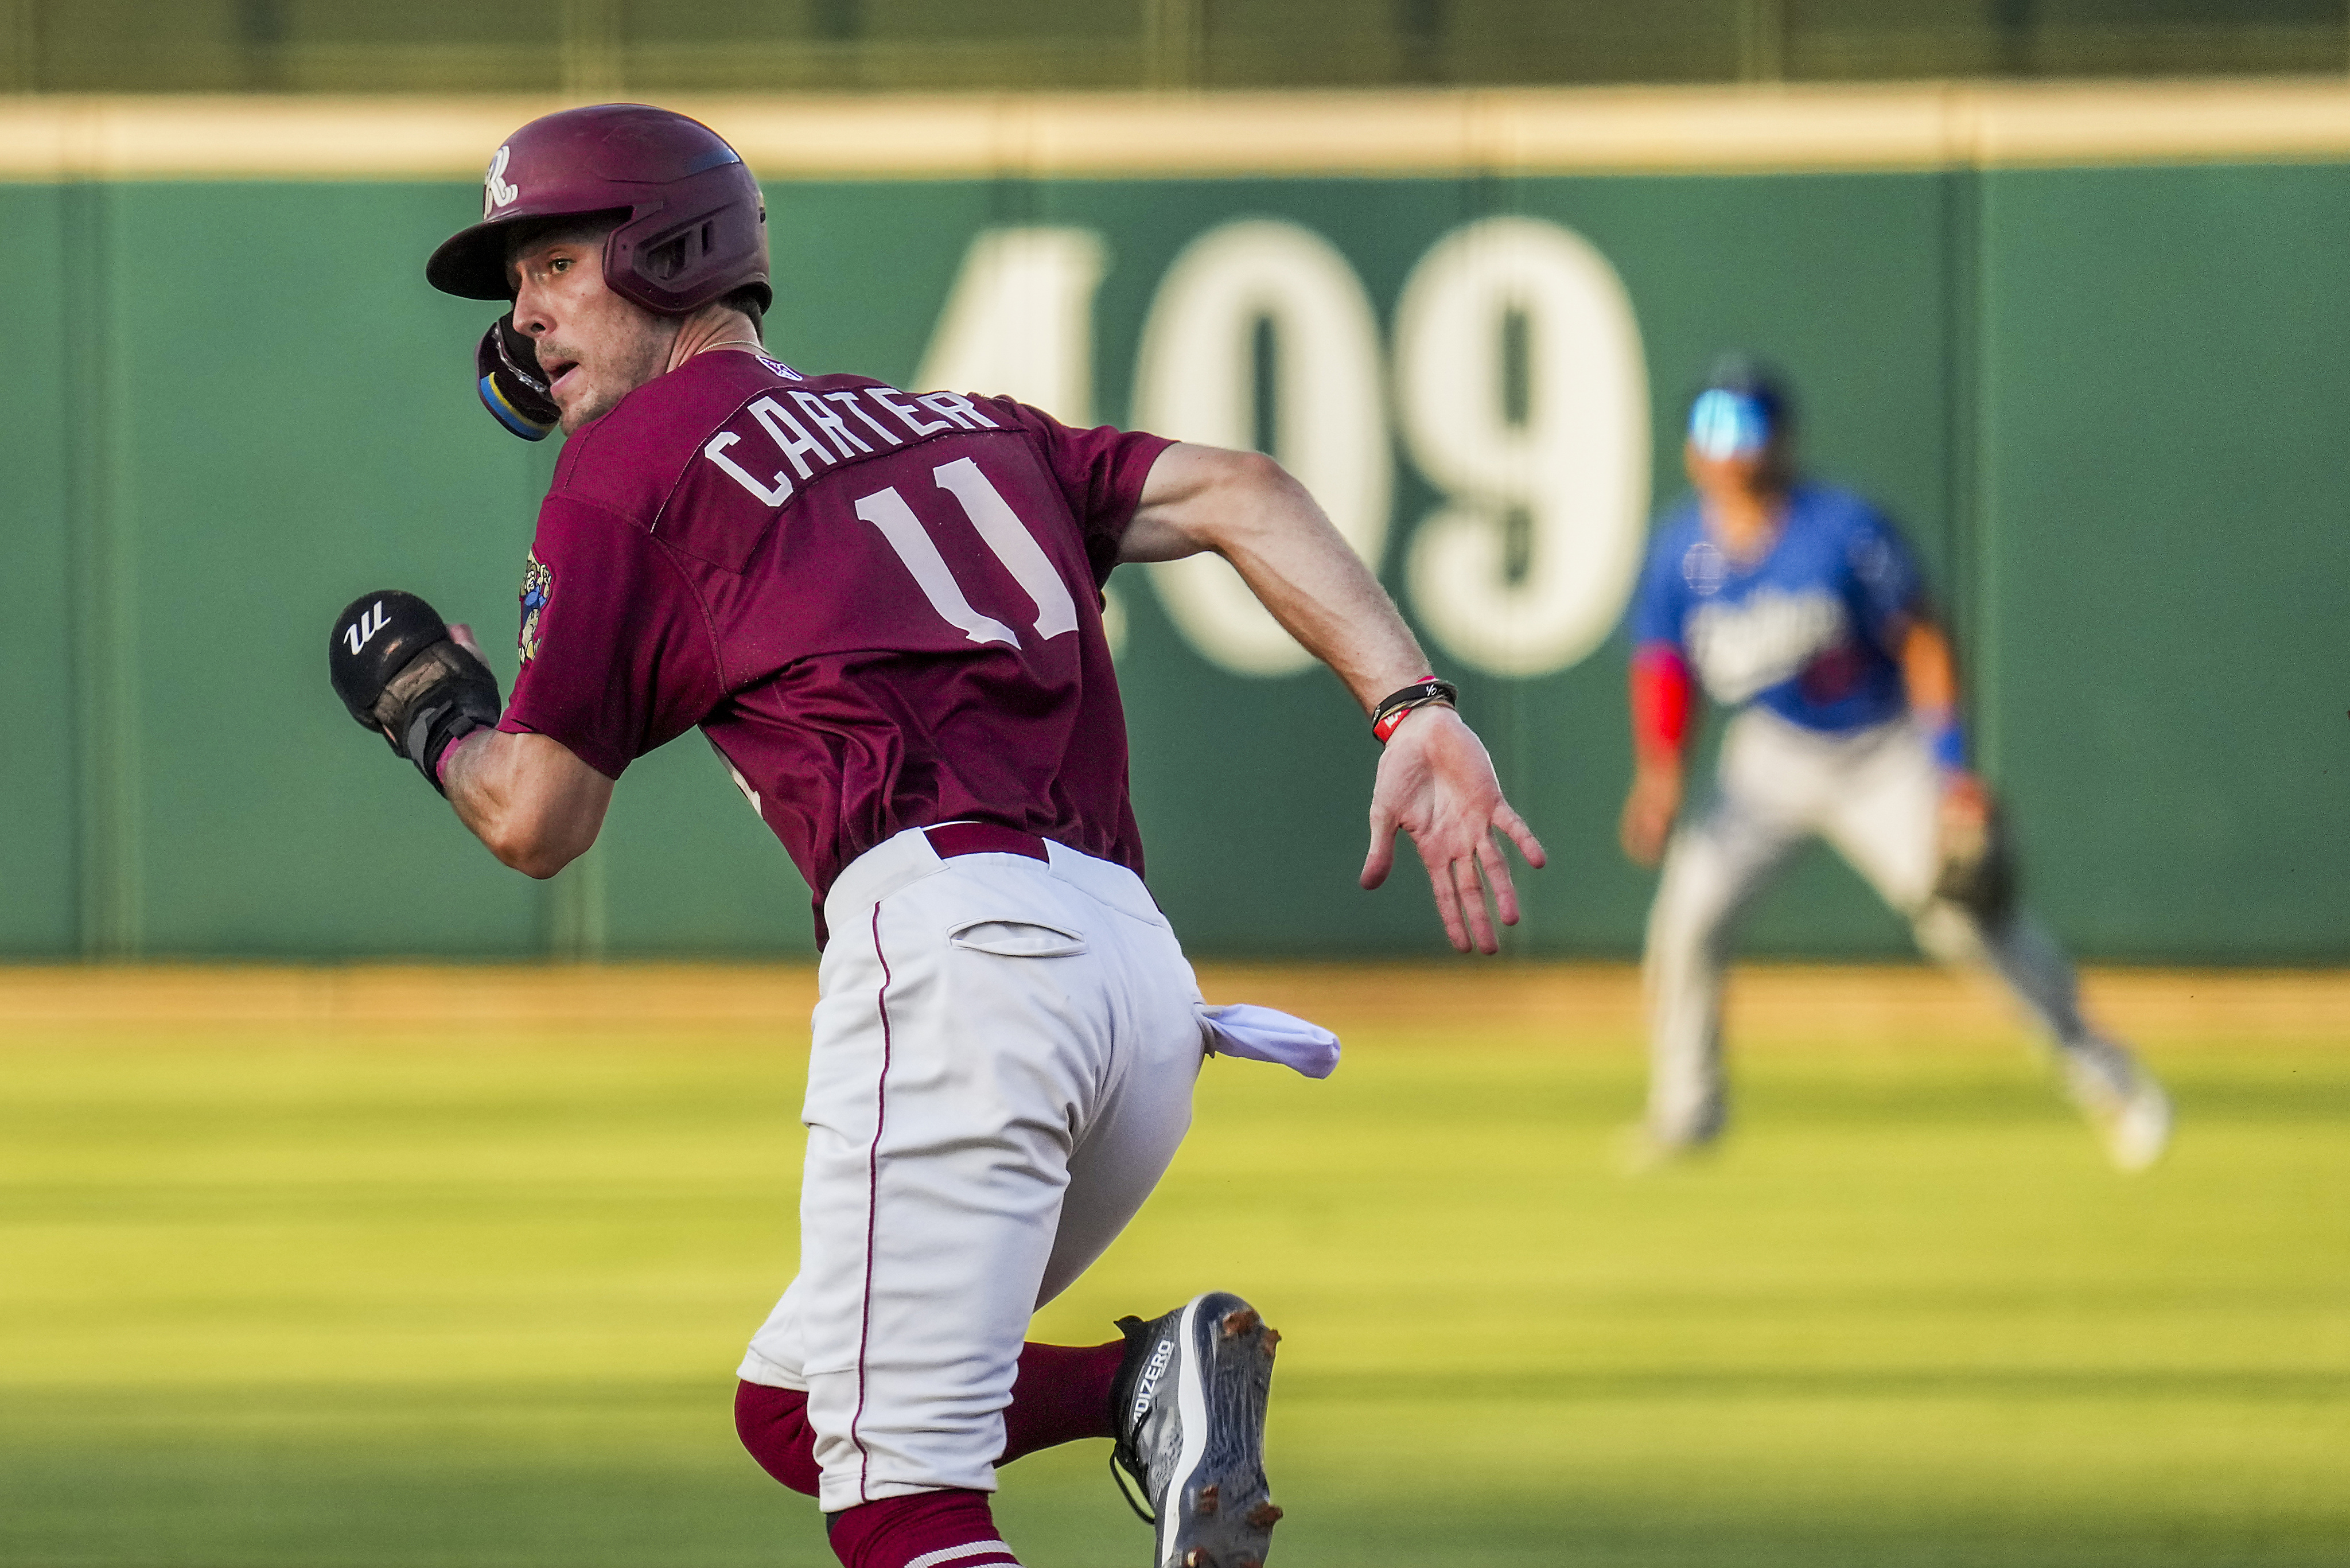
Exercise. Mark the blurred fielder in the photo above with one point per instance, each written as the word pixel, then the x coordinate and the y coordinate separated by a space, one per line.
pixel 883 609
pixel 1796 605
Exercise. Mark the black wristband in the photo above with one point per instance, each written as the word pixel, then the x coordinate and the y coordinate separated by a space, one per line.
pixel 1418 694
pixel 435 727
pixel 443 695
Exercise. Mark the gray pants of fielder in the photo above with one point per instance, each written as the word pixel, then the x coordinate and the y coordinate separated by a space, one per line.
pixel 1874 794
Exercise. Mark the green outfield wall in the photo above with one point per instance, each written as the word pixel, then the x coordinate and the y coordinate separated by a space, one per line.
pixel 2108 403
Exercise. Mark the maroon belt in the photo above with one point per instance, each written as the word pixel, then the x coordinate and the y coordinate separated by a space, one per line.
pixel 956 838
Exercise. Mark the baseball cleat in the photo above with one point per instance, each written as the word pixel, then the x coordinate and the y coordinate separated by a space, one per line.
pixel 1686 1132
pixel 1688 1108
pixel 1190 1404
pixel 1641 1150
pixel 2124 1104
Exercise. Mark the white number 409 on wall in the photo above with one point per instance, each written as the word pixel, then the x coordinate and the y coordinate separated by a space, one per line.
pixel 1516 377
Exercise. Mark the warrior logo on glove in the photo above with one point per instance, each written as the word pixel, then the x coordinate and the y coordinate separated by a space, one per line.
pixel 400 673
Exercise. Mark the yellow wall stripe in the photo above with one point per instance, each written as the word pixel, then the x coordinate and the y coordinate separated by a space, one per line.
pixel 1802 1004
pixel 1564 132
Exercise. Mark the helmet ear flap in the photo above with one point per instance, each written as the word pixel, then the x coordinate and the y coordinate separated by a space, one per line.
pixel 675 254
pixel 512 386
pixel 697 251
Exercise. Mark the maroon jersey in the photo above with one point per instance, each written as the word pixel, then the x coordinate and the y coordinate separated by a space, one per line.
pixel 883 609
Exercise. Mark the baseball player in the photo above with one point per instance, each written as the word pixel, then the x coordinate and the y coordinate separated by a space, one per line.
pixel 1798 606
pixel 882 609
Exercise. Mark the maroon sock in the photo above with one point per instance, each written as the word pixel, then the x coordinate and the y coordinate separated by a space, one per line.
pixel 950 1529
pixel 1062 1394
pixel 773 1424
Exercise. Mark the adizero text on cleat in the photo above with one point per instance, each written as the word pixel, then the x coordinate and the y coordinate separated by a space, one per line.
pixel 1189 1402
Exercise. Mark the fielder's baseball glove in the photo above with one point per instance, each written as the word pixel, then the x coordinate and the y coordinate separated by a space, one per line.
pixel 1978 871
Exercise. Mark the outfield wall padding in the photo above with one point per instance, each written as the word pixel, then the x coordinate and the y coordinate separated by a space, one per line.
pixel 2107 402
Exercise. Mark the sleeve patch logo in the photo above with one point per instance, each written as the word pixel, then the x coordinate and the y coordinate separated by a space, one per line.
pixel 537 584
pixel 1705 568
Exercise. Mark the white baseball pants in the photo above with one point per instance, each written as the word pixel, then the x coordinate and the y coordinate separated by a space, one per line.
pixel 1875 796
pixel 1003 1057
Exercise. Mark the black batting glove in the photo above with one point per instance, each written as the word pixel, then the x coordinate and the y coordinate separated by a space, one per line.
pixel 397 671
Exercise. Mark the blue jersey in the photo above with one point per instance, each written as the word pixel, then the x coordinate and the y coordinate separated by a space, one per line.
pixel 1806 631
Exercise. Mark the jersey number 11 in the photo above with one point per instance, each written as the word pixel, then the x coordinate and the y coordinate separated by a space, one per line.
pixel 999 528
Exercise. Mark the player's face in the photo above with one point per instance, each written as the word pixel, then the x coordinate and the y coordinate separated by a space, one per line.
pixel 1748 472
pixel 595 347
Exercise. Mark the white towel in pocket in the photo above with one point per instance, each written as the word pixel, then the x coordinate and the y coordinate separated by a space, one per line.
pixel 1265 1034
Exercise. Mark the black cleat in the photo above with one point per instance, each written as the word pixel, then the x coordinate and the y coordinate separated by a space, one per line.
pixel 1190 1403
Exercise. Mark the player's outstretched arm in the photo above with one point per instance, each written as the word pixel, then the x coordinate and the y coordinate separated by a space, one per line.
pixel 1435 780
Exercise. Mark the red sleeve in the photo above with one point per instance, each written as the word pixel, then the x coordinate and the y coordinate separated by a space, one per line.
pixel 617 656
pixel 1662 698
pixel 1101 472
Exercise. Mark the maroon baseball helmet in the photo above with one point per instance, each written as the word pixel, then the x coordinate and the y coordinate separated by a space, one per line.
pixel 692 226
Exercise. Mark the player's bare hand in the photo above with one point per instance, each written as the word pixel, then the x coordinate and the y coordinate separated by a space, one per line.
pixel 1648 812
pixel 462 636
pixel 1964 794
pixel 1963 820
pixel 1436 783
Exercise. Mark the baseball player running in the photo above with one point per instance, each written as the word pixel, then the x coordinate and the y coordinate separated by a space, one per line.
pixel 883 610
pixel 1797 605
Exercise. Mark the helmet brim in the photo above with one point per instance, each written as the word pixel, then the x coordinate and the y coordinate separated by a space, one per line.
pixel 472 263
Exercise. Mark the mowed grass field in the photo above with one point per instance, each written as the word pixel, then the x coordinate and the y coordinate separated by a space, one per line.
pixel 418 1268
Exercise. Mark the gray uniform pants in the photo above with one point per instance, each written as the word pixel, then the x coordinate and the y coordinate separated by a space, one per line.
pixel 1002 1065
pixel 1874 794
